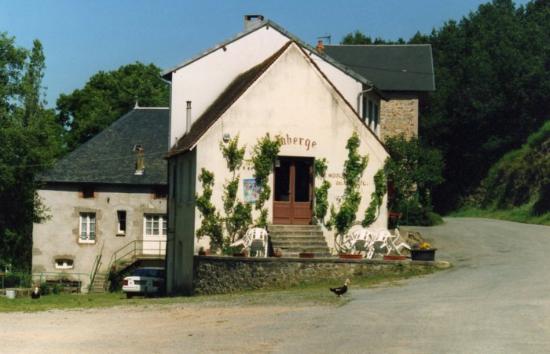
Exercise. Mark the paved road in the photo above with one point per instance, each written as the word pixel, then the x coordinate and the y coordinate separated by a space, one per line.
pixel 496 299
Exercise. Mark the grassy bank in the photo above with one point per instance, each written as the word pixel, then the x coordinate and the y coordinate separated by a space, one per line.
pixel 301 295
pixel 520 214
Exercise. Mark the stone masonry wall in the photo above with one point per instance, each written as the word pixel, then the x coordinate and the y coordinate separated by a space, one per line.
pixel 217 275
pixel 399 115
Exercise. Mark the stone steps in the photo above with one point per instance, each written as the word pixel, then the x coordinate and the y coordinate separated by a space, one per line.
pixel 99 283
pixel 293 239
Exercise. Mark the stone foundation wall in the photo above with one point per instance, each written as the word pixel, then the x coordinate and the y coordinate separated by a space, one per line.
pixel 217 275
pixel 399 115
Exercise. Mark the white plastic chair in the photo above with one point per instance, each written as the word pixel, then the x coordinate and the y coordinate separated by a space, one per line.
pixel 258 238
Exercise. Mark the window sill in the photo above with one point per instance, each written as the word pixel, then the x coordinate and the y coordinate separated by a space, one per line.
pixel 120 234
pixel 87 242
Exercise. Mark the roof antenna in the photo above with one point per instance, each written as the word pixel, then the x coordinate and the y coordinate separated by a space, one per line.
pixel 328 37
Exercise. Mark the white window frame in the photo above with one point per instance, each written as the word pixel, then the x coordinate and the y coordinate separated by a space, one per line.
pixel 162 225
pixel 62 263
pixel 85 220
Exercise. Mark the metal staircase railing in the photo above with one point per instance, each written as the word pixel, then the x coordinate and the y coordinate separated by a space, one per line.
pixel 95 266
pixel 135 249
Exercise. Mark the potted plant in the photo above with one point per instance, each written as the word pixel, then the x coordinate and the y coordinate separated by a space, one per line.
pixel 202 252
pixel 423 252
pixel 277 253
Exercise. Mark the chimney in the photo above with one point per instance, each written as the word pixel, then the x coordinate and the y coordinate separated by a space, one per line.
pixel 320 47
pixel 188 118
pixel 252 20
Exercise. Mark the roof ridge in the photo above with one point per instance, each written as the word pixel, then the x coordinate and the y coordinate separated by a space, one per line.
pixel 234 90
pixel 380 45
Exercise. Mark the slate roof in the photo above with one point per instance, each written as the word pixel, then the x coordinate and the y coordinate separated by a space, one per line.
pixel 391 67
pixel 108 158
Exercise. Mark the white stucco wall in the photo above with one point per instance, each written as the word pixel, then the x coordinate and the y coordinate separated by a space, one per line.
pixel 203 80
pixel 292 98
pixel 57 237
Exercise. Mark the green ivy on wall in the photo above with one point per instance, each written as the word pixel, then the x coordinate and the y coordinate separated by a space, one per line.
pixel 238 215
pixel 343 218
pixel 380 189
pixel 321 192
pixel 211 224
pixel 263 158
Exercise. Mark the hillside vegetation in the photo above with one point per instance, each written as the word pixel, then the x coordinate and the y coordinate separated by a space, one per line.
pixel 517 187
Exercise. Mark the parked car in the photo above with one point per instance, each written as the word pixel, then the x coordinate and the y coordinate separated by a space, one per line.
pixel 144 281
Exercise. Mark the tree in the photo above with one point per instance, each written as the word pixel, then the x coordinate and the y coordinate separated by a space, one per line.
pixel 413 171
pixel 30 140
pixel 107 96
pixel 492 77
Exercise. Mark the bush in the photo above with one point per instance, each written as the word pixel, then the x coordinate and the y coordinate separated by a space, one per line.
pixel 413 171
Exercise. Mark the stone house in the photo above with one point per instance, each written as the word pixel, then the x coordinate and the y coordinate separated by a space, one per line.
pixel 266 80
pixel 403 72
pixel 106 201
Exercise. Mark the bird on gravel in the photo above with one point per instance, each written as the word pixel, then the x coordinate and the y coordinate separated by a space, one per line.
pixel 342 289
pixel 35 293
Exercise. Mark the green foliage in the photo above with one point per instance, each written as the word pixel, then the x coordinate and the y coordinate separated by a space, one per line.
pixel 211 224
pixel 343 218
pixel 380 189
pixel 106 97
pixel 263 158
pixel 359 38
pixel 520 177
pixel 238 215
pixel 492 76
pixel 321 193
pixel 30 140
pixel 413 171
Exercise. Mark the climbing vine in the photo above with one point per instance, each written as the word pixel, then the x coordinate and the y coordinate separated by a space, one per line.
pixel 211 224
pixel 380 189
pixel 263 158
pixel 343 218
pixel 321 192
pixel 238 215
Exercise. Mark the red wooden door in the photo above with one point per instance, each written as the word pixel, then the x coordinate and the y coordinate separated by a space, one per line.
pixel 293 191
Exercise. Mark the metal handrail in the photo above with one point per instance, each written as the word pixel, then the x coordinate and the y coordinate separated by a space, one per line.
pixel 96 265
pixel 137 247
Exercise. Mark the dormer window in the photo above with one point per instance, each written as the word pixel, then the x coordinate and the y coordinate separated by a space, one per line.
pixel 140 159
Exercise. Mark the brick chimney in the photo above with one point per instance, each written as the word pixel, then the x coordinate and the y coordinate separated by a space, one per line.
pixel 320 47
pixel 251 20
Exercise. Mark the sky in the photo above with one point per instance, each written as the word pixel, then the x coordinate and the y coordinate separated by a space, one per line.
pixel 81 37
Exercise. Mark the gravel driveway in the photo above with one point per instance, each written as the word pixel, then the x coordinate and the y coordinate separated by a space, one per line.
pixel 495 300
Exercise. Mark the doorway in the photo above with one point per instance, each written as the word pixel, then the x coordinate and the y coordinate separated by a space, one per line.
pixel 293 192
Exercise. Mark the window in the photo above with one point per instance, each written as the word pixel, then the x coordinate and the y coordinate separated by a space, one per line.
pixel 365 109
pixel 371 112
pixel 155 225
pixel 63 263
pixel 121 222
pixel 87 228
pixel 87 192
pixel 160 192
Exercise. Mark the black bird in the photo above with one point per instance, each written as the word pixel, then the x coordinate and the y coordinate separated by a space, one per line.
pixel 341 290
pixel 35 293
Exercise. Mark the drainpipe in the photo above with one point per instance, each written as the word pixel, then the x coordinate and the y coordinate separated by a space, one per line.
pixel 359 95
pixel 188 118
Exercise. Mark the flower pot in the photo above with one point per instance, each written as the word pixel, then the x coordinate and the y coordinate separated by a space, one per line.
pixel 391 257
pixel 306 254
pixel 423 255
pixel 350 256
